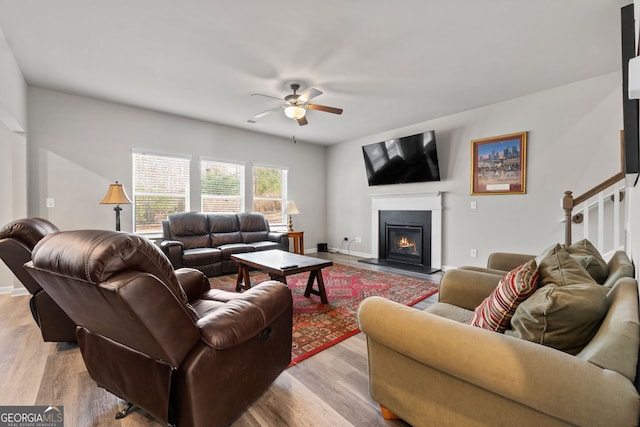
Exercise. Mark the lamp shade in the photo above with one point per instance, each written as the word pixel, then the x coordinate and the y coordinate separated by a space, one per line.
pixel 294 112
pixel 290 208
pixel 116 195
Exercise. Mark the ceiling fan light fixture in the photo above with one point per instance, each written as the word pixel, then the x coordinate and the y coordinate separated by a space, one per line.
pixel 294 112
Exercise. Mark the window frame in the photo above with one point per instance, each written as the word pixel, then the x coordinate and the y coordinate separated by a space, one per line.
pixel 284 190
pixel 242 176
pixel 135 177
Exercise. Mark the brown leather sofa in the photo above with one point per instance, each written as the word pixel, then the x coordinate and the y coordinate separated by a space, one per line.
pixel 17 239
pixel 162 339
pixel 206 241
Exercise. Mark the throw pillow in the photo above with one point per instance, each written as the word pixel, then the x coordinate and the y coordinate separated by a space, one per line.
pixel 495 312
pixel 562 317
pixel 559 268
pixel 595 264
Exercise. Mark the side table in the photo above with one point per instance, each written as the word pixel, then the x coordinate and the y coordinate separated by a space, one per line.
pixel 298 241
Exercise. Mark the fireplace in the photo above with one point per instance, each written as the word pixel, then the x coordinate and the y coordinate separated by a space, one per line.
pixel 404 244
pixel 405 237
pixel 406 231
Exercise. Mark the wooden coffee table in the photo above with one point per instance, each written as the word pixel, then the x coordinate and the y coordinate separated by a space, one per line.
pixel 280 264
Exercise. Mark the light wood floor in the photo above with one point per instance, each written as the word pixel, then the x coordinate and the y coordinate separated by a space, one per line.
pixel 329 389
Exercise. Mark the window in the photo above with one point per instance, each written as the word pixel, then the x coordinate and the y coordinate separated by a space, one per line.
pixel 222 186
pixel 160 188
pixel 270 192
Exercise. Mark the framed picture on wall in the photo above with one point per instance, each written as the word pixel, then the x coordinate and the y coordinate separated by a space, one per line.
pixel 498 164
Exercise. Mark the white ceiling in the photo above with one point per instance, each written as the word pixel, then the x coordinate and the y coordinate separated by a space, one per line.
pixel 387 64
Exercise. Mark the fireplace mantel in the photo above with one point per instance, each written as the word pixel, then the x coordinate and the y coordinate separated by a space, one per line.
pixel 410 202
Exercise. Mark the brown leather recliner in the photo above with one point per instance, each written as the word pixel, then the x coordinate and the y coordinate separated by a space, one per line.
pixel 160 339
pixel 17 240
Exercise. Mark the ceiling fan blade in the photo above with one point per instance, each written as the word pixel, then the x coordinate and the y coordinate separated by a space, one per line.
pixel 267 96
pixel 302 121
pixel 306 95
pixel 264 113
pixel 324 108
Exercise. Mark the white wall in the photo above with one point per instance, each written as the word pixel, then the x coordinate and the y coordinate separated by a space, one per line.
pixel 78 145
pixel 13 175
pixel 13 102
pixel 573 144
pixel 13 192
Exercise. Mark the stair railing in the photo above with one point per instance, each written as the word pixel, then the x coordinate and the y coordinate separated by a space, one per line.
pixel 577 210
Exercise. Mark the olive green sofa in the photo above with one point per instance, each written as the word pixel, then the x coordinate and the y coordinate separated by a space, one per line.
pixel 432 368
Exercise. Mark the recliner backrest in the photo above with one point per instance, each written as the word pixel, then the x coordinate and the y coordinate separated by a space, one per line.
pixel 120 286
pixel 17 240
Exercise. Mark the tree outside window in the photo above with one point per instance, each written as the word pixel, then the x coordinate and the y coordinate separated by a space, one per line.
pixel 270 192
pixel 222 186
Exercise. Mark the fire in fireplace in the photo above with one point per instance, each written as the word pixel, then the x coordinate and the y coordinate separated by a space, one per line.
pixel 404 243
pixel 405 238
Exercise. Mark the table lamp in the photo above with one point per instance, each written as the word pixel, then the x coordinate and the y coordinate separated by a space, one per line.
pixel 291 209
pixel 116 196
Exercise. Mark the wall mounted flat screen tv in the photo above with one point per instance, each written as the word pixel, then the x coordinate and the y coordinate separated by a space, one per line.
pixel 402 160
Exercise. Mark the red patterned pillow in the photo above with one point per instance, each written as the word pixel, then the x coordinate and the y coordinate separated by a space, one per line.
pixel 495 312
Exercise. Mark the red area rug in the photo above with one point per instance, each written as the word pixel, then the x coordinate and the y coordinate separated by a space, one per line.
pixel 318 326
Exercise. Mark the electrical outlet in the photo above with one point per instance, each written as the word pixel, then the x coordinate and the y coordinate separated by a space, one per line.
pixel 357 239
pixel 474 253
pixel 346 238
pixel 51 202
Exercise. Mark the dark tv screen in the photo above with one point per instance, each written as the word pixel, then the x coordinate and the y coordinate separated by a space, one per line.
pixel 402 160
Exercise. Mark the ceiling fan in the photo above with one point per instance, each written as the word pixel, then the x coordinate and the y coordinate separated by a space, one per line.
pixel 296 105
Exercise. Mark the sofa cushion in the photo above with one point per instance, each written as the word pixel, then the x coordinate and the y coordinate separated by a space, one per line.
pixel 450 311
pixel 252 221
pixel 201 256
pixel 190 228
pixel 558 267
pixel 254 236
pixel 234 248
pixel 264 246
pixel 564 317
pixel 223 223
pixel 495 312
pixel 590 259
pixel 619 266
pixel 615 345
pixel 219 239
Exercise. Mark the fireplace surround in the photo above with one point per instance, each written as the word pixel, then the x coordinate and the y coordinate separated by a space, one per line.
pixel 412 206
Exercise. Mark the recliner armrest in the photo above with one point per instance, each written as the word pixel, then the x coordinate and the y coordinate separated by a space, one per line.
pixel 169 243
pixel 173 250
pixel 193 282
pixel 244 317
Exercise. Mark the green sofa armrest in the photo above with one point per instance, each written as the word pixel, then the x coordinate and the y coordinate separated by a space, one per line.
pixel 466 288
pixel 507 261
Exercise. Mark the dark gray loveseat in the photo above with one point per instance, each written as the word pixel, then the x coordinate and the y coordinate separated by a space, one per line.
pixel 206 241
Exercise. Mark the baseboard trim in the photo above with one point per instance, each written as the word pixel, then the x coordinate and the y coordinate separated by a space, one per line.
pixel 14 292
pixel 19 292
pixel 351 253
